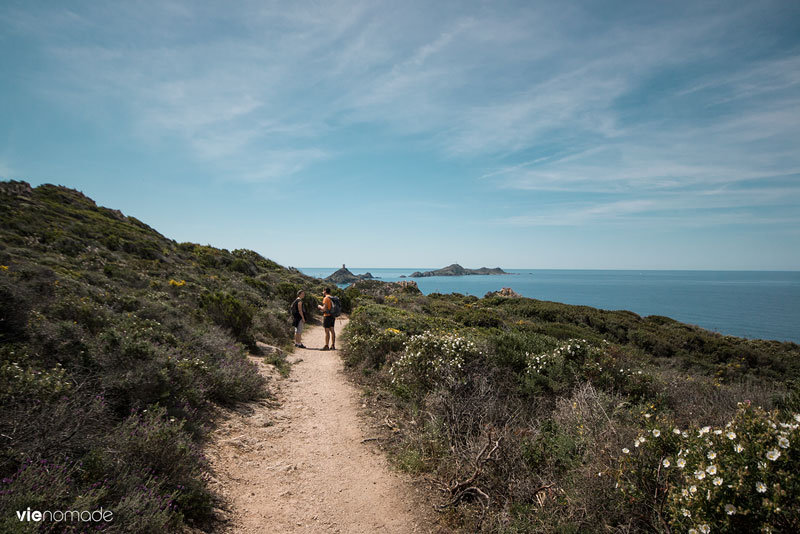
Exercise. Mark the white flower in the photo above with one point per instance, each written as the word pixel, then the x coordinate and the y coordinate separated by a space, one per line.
pixel 738 447
pixel 717 481
pixel 705 529
pixel 626 450
pixel 693 489
pixel 656 432
pixel 731 435
pixel 718 432
pixel 704 430
pixel 711 469
pixel 693 531
pixel 773 455
pixel 711 455
pixel 676 431
pixel 783 442
pixel 681 463
pixel 700 474
pixel 797 417
pixel 665 463
pixel 730 509
pixel 761 487
pixel 686 513
pixel 647 415
pixel 685 492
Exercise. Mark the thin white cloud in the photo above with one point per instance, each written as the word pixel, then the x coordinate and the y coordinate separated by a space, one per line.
pixel 269 77
pixel 702 208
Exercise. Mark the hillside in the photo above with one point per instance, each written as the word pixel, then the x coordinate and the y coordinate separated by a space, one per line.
pixel 535 416
pixel 116 344
pixel 119 345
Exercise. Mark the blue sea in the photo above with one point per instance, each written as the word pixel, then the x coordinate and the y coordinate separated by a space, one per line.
pixel 751 304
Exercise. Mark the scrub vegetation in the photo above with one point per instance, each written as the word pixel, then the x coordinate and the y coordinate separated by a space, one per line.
pixel 116 345
pixel 534 416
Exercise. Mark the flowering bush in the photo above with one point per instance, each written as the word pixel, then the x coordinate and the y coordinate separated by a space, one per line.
pixel 27 381
pixel 742 477
pixel 373 348
pixel 547 370
pixel 433 358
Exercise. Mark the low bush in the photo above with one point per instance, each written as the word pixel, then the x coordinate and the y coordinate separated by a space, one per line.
pixel 229 312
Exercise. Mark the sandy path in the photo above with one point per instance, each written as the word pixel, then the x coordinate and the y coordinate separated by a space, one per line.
pixel 303 467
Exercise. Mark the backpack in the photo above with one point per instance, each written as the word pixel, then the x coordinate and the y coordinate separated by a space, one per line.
pixel 293 309
pixel 336 306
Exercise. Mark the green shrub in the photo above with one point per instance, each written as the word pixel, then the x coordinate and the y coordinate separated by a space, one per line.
pixel 229 312
pixel 371 350
pixel 14 310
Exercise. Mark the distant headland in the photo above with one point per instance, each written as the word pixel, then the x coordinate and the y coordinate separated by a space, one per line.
pixel 457 270
pixel 344 276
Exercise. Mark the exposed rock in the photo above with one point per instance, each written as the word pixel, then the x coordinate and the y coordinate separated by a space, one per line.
pixel 505 292
pixel 16 189
pixel 457 270
pixel 344 276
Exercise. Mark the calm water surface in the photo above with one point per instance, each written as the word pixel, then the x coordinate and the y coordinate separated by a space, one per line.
pixel 753 304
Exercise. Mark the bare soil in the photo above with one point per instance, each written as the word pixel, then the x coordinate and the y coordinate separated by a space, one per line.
pixel 304 467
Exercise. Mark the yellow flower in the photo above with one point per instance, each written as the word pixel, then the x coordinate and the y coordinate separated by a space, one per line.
pixel 4 267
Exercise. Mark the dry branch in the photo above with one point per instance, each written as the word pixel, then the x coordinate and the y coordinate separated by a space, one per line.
pixel 458 491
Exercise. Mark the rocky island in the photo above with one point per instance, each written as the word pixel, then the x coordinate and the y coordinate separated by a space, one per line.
pixel 457 270
pixel 344 276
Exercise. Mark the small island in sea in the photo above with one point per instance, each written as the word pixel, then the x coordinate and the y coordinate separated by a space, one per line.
pixel 344 276
pixel 457 270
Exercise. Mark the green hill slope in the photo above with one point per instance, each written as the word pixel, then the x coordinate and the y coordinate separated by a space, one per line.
pixel 536 416
pixel 116 343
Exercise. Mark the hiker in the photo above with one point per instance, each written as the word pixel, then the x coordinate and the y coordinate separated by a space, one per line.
pixel 298 319
pixel 328 319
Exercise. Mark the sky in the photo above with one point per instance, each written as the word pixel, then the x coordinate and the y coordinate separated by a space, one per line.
pixel 577 135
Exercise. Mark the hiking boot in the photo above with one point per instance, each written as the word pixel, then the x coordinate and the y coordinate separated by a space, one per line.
pixel 325 348
pixel 333 348
pixel 300 346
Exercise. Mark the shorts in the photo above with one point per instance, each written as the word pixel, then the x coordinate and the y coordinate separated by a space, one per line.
pixel 298 326
pixel 328 321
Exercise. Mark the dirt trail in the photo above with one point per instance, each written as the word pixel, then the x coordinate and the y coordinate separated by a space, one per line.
pixel 303 468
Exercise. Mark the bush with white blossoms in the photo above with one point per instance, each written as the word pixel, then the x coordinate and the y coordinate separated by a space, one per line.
pixel 373 347
pixel 743 477
pixel 433 358
pixel 551 363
